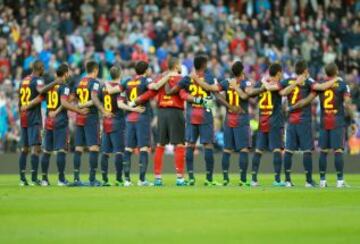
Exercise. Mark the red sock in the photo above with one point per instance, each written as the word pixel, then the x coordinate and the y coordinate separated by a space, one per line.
pixel 158 160
pixel 180 161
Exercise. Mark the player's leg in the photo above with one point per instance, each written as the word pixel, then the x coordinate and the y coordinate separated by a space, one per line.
pixel 79 141
pixel 23 155
pixel 304 133
pixel 261 145
pixel 276 145
pixel 291 144
pixel 61 162
pixel 337 138
pixel 324 144
pixel 207 138
pixel 158 163
pixel 106 148
pixel 92 140
pixel 45 159
pixel 117 141
pixel 229 143
pixel 177 138
pixel 164 138
pixel 130 144
pixel 192 133
pixel 35 143
pixel 143 142
pixel 242 143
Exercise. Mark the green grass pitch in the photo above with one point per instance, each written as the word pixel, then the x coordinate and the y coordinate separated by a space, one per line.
pixel 173 214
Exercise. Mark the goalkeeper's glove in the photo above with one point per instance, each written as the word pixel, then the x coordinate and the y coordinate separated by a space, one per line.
pixel 198 100
pixel 208 103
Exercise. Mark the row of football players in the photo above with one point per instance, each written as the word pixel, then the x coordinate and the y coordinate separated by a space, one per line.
pixel 123 132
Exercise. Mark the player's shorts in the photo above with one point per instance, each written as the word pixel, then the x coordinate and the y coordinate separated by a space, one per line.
pixel 332 139
pixel 113 142
pixel 299 136
pixel 171 126
pixel 87 135
pixel 236 138
pixel 31 136
pixel 205 131
pixel 270 140
pixel 137 134
pixel 56 139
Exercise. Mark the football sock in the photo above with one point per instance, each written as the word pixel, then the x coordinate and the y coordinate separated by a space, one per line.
pixel 119 166
pixel 287 165
pixel 225 164
pixel 34 166
pixel 60 161
pixel 339 165
pixel 127 164
pixel 22 165
pixel 77 164
pixel 93 162
pixel 322 165
pixel 190 161
pixel 243 164
pixel 144 159
pixel 104 167
pixel 209 163
pixel 307 162
pixel 179 161
pixel 255 165
pixel 45 161
pixel 158 160
pixel 277 165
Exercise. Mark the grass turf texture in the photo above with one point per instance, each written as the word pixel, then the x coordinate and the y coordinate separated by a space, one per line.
pixel 180 214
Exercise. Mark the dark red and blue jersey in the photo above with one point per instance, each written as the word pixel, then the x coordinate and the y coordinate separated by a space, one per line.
pixel 53 102
pixel 110 105
pixel 82 90
pixel 196 114
pixel 135 87
pixel 332 113
pixel 236 119
pixel 300 115
pixel 28 90
pixel 270 111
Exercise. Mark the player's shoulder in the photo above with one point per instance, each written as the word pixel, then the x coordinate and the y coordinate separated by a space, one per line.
pixel 245 83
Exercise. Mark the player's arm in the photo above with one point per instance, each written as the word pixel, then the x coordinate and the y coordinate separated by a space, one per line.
pixel 87 104
pixel 95 99
pixel 44 89
pixel 66 103
pixel 122 105
pixel 234 85
pixel 53 114
pixel 184 95
pixel 157 85
pixel 143 98
pixel 222 100
pixel 171 90
pixel 113 89
pixel 204 84
pixel 325 85
pixel 254 91
pixel 303 102
pixel 33 103
pixel 288 89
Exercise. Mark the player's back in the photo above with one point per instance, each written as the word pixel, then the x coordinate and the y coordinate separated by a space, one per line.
pixel 332 105
pixel 83 89
pixel 270 110
pixel 110 102
pixel 53 102
pixel 28 90
pixel 173 101
pixel 299 92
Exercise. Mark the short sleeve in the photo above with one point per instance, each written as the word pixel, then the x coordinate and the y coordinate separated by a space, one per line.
pixel 39 83
pixel 95 87
pixel 65 92
pixel 184 83
pixel 284 83
pixel 223 85
pixel 244 84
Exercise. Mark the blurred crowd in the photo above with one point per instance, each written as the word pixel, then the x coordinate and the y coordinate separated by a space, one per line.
pixel 116 32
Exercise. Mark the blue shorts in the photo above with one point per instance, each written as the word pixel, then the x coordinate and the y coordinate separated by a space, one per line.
pixel 236 138
pixel 205 131
pixel 31 136
pixel 270 140
pixel 137 134
pixel 299 136
pixel 87 135
pixel 332 139
pixel 56 139
pixel 113 142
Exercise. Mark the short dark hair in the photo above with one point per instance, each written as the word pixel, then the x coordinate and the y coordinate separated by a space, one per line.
pixel 37 66
pixel 200 61
pixel 141 67
pixel 237 68
pixel 172 62
pixel 91 66
pixel 62 70
pixel 331 69
pixel 115 72
pixel 300 67
pixel 274 69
